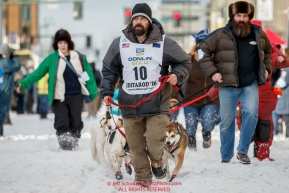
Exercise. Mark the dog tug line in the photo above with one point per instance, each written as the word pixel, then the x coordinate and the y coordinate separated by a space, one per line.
pixel 212 93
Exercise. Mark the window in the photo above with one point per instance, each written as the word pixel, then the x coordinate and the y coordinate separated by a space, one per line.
pixel 25 13
pixel 77 12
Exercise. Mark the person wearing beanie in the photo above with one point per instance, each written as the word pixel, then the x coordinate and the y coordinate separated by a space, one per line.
pixel 204 109
pixel 238 57
pixel 70 79
pixel 263 137
pixel 140 56
pixel 8 66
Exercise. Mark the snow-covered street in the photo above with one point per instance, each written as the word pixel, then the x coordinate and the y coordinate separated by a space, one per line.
pixel 31 161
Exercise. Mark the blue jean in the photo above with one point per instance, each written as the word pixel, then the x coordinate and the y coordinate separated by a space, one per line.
pixel 208 115
pixel 5 101
pixel 229 97
pixel 275 118
pixel 44 103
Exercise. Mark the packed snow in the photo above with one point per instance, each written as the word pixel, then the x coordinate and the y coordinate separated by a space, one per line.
pixel 31 161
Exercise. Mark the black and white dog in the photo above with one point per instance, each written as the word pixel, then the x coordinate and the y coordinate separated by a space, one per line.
pixel 110 137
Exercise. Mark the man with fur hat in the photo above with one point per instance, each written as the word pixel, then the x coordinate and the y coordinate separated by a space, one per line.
pixel 238 57
pixel 8 66
pixel 140 56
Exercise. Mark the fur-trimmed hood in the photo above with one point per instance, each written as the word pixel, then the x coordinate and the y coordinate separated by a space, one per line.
pixel 241 7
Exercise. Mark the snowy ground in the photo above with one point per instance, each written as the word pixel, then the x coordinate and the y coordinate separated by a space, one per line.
pixel 31 161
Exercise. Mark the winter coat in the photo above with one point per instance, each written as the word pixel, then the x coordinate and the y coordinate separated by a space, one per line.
pixel 55 66
pixel 267 99
pixel 282 107
pixel 196 82
pixel 173 55
pixel 9 67
pixel 220 55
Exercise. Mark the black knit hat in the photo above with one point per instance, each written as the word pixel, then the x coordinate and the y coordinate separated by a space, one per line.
pixel 142 9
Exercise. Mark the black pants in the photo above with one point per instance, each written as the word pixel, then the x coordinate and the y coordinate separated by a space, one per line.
pixel 68 115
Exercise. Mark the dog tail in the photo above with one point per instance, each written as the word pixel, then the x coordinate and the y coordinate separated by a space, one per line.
pixel 93 144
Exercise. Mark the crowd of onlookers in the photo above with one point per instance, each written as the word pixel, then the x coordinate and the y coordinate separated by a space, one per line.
pixel 31 100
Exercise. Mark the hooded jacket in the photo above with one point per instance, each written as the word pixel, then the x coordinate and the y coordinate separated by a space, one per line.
pixel 173 55
pixel 220 55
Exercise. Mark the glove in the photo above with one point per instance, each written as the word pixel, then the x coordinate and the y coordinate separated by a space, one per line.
pixel 213 93
pixel 173 103
pixel 277 91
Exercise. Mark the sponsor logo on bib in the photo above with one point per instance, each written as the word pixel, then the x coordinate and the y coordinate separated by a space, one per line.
pixel 139 51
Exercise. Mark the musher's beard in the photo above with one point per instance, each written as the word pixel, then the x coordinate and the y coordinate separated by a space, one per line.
pixel 138 32
pixel 241 28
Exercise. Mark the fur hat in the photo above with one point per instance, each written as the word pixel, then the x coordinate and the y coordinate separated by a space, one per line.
pixel 241 7
pixel 4 49
pixel 142 9
pixel 62 35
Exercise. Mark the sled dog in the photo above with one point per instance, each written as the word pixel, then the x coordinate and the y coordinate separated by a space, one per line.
pixel 112 140
pixel 175 146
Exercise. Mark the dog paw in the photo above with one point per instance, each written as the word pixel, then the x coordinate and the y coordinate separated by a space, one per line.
pixel 118 176
pixel 128 169
pixel 173 177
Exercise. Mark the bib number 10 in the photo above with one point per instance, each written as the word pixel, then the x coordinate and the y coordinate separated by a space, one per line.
pixel 140 73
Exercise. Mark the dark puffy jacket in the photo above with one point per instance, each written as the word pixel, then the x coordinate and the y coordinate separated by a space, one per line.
pixel 173 55
pixel 220 55
pixel 196 82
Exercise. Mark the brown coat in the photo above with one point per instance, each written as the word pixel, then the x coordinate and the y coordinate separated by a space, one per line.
pixel 220 55
pixel 196 82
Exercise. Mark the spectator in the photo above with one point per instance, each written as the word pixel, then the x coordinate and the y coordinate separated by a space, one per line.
pixel 282 107
pixel 238 56
pixel 8 66
pixel 267 103
pixel 66 87
pixel 42 90
pixel 205 110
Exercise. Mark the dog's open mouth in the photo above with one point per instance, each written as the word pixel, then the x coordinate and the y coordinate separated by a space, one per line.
pixel 170 146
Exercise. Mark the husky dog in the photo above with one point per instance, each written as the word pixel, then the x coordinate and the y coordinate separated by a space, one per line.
pixel 175 146
pixel 110 137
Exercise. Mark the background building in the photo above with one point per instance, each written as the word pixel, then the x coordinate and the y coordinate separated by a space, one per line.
pixel 93 24
pixel 19 24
